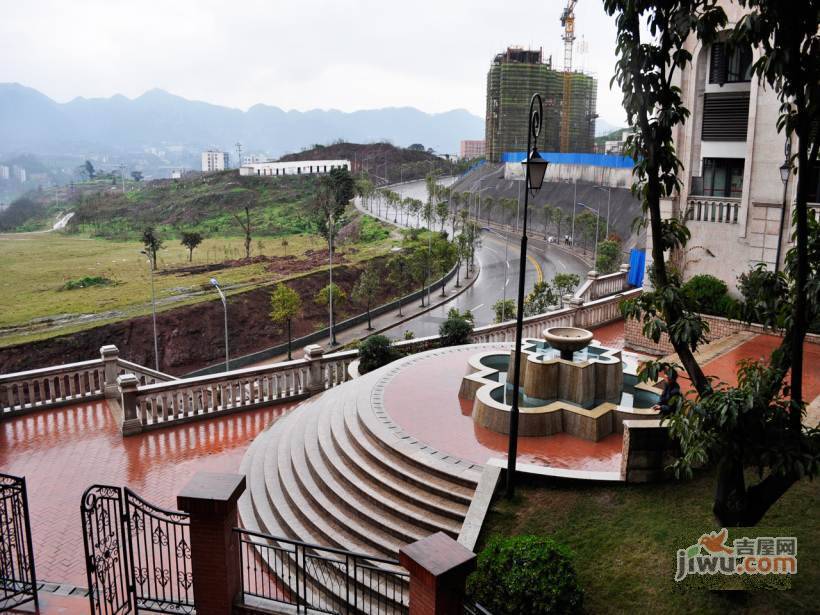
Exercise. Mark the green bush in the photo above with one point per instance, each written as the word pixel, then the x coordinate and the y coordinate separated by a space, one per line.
pixel 374 352
pixel 456 330
pixel 706 293
pixel 86 282
pixel 525 574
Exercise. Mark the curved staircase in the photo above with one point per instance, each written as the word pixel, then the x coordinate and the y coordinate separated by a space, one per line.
pixel 337 472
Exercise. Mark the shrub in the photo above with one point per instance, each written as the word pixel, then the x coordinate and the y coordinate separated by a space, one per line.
pixel 86 282
pixel 762 291
pixel 456 330
pixel 525 574
pixel 706 293
pixel 374 352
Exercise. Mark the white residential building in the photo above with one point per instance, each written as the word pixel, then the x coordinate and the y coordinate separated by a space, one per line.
pixel 733 199
pixel 4 171
pixel 293 167
pixel 214 160
pixel 19 173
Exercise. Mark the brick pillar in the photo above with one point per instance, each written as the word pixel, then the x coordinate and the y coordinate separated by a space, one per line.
pixel 316 379
pixel 210 498
pixel 438 568
pixel 109 355
pixel 127 386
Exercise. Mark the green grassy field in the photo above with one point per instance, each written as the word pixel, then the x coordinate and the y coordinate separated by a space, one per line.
pixel 624 538
pixel 37 266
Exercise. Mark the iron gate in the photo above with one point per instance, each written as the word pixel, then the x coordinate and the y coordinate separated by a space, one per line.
pixel 138 556
pixel 18 582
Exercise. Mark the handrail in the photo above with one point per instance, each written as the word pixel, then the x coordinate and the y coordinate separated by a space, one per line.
pixel 145 371
pixel 49 371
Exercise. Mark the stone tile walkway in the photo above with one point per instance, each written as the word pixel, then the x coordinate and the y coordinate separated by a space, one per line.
pixel 63 451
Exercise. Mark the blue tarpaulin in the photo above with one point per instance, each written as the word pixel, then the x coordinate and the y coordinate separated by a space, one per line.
pixel 637 264
pixel 594 160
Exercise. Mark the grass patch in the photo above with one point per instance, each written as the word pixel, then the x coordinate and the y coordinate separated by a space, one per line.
pixel 87 282
pixel 625 537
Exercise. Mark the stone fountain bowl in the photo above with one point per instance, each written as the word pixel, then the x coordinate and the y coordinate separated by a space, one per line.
pixel 567 339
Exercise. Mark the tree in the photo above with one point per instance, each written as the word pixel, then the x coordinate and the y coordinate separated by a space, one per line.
pixel 557 218
pixel 324 295
pixel 547 217
pixel 153 244
pixel 285 305
pixel 416 147
pixel 419 267
pixel 585 227
pixel 191 240
pixel 89 169
pixel 367 287
pixel 504 310
pixel 488 203
pixel 375 352
pixel 136 176
pixel 565 284
pixel 758 423
pixel 442 212
pixel 609 256
pixel 540 299
pixel 457 329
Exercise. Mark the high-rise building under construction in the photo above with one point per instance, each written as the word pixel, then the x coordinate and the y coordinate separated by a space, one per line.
pixel 514 76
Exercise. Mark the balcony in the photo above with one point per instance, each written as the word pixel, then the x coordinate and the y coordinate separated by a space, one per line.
pixel 717 209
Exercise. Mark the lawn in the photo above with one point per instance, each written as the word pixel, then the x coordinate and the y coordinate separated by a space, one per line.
pixel 37 267
pixel 625 537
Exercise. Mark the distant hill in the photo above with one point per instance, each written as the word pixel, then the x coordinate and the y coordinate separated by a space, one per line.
pixel 602 127
pixel 32 122
pixel 382 161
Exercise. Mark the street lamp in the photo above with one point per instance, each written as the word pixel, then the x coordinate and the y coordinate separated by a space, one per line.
pixel 397 250
pixel 330 232
pixel 535 169
pixel 785 172
pixel 225 309
pixel 153 307
pixel 608 191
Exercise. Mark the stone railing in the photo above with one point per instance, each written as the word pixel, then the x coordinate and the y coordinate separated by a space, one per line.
pixel 150 399
pixel 597 286
pixel 722 210
pixel 49 387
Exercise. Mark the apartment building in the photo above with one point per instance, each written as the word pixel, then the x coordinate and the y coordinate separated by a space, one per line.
pixel 472 149
pixel 215 160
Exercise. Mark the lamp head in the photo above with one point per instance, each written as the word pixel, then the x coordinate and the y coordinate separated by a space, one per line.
pixel 214 282
pixel 785 171
pixel 536 169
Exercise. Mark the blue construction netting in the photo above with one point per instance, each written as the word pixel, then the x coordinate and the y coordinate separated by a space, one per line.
pixel 637 264
pixel 593 160
pixel 473 167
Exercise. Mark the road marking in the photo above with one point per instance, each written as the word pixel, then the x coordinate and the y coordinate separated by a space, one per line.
pixel 479 306
pixel 538 273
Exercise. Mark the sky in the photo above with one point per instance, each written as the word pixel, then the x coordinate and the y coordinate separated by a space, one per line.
pixel 294 54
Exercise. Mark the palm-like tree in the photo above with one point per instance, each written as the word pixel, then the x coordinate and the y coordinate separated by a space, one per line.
pixel 557 218
pixel 547 217
pixel 488 203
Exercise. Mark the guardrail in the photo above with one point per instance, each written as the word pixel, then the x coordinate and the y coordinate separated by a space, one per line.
pixel 723 210
pixel 151 399
pixel 597 286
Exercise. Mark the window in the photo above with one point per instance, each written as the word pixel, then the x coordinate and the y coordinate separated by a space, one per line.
pixel 725 116
pixel 723 177
pixel 730 64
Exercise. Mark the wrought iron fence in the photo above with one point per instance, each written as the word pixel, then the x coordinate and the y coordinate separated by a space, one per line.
pixel 18 581
pixel 322 579
pixel 138 556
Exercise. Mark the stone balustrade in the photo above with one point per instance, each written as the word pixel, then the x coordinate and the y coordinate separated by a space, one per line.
pixel 722 210
pixel 597 286
pixel 50 387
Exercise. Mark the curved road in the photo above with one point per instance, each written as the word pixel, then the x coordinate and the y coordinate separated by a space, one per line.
pixel 542 260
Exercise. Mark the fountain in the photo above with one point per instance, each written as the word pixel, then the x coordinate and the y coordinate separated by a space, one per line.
pixel 569 383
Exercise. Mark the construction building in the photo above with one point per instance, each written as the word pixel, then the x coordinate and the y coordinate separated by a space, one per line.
pixel 472 149
pixel 514 76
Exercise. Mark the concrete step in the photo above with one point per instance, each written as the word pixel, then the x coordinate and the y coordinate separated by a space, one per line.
pixel 353 502
pixel 387 538
pixel 397 465
pixel 431 511
pixel 299 510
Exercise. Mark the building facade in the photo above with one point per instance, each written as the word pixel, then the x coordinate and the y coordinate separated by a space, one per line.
pixel 215 160
pixel 293 167
pixel 4 172
pixel 514 76
pixel 732 199
pixel 472 149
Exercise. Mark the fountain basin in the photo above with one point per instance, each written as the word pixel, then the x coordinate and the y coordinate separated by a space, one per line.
pixel 567 340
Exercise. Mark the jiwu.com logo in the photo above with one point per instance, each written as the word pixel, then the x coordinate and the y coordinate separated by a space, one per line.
pixel 763 555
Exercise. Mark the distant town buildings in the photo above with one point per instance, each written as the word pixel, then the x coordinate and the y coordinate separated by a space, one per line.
pixel 19 173
pixel 512 79
pixel 472 149
pixel 215 160
pixel 254 158
pixel 176 174
pixel 733 199
pixel 292 167
pixel 4 172
pixel 617 147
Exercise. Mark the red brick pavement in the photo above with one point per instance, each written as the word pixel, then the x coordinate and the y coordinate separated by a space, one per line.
pixel 63 451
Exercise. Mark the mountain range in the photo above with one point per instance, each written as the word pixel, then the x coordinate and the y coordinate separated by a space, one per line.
pixel 32 122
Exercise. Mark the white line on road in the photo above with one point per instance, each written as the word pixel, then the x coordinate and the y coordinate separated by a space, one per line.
pixel 479 306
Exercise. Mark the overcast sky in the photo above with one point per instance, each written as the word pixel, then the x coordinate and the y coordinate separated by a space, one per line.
pixel 295 54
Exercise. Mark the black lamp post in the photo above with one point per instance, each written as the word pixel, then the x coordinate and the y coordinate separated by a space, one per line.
pixel 535 168
pixel 785 171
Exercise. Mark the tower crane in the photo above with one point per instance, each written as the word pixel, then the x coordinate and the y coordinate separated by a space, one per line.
pixel 568 21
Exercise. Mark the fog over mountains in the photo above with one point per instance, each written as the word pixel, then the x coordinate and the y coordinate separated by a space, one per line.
pixel 33 122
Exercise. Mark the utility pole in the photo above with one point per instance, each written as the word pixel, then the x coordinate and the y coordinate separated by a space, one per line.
pixel 238 154
pixel 122 176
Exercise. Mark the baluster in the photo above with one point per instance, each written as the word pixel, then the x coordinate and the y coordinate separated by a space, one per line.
pixel 142 411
